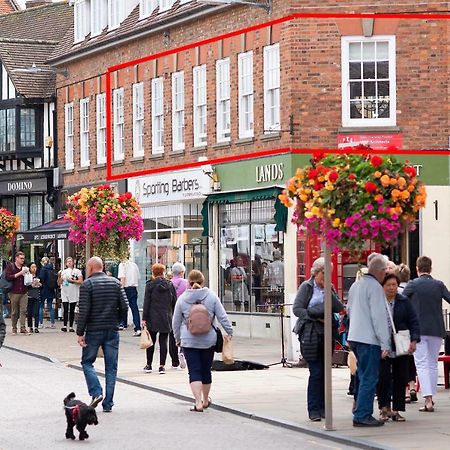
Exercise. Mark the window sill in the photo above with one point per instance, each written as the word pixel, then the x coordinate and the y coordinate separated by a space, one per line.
pixel 120 162
pixel 220 145
pixel 157 156
pixel 199 149
pixel 245 141
pixel 83 169
pixel 177 153
pixel 69 171
pixel 270 136
pixel 366 129
pixel 137 159
pixel 99 166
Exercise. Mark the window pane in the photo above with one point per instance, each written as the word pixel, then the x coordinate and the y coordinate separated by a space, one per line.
pixel 355 71
pixel 35 211
pixel 382 51
pixel 355 110
pixel 383 69
pixel 368 51
pixel 368 70
pixel 355 51
pixel 355 90
pixel 22 212
pixel 383 89
pixel 383 108
pixel 369 89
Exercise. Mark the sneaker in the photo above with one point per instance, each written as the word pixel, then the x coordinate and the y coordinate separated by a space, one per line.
pixel 137 333
pixel 64 329
pixel 148 369
pixel 161 370
pixel 120 327
pixel 106 410
pixel 368 422
pixel 71 330
pixel 14 333
pixel 176 368
pixel 96 400
pixel 36 330
pixel 41 325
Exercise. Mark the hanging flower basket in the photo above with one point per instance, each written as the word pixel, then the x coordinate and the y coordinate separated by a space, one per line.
pixel 9 225
pixel 350 199
pixel 108 220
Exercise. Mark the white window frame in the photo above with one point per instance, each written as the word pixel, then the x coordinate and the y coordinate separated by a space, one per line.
pixel 246 94
pixel 223 100
pixel 165 5
pixel 200 106
pixel 115 13
pixel 157 115
pixel 146 7
pixel 99 16
pixel 69 135
pixel 82 20
pixel 272 89
pixel 138 119
pixel 368 122
pixel 84 132
pixel 119 124
pixel 178 123
pixel 101 128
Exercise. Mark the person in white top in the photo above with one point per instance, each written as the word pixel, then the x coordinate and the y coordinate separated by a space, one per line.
pixel 129 278
pixel 70 280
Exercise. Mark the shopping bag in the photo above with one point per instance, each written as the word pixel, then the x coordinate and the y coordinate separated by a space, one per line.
pixel 145 339
pixel 351 361
pixel 227 351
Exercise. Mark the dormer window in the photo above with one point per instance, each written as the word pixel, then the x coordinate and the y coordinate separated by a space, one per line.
pixel 165 5
pixel 99 16
pixel 146 7
pixel 82 18
pixel 114 13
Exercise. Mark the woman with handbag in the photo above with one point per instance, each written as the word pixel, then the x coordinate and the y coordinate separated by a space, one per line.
pixel 394 369
pixel 198 349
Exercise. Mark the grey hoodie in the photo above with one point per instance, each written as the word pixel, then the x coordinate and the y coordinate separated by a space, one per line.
pixel 181 313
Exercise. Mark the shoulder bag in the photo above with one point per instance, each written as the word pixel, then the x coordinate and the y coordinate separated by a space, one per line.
pixel 402 338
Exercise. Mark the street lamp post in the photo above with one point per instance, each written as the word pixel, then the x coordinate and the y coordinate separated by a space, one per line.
pixel 267 5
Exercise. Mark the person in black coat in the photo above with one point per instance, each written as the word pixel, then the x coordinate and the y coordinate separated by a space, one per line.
pixel 159 304
pixel 309 308
pixel 394 369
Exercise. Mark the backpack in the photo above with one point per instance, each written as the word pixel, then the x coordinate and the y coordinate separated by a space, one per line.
pixel 199 321
pixel 52 279
pixel 4 283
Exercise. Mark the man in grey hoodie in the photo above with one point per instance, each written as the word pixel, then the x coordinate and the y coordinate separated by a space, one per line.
pixel 369 336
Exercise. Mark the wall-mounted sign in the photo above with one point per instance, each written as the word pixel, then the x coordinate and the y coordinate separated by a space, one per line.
pixel 375 141
pixel 190 184
pixel 14 187
pixel 269 172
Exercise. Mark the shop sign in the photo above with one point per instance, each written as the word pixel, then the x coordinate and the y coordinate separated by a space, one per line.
pixel 45 236
pixel 374 141
pixel 23 186
pixel 269 172
pixel 166 187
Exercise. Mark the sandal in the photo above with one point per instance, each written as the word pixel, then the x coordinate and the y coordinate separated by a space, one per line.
pixel 396 417
pixel 208 404
pixel 413 395
pixel 384 416
pixel 195 409
pixel 426 408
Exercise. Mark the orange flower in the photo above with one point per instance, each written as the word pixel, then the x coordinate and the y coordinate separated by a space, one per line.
pixel 385 180
pixel 377 174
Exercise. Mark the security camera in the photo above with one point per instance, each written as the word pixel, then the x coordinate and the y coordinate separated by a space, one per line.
pixel 208 169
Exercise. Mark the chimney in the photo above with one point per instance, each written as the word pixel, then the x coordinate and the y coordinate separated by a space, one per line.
pixel 33 3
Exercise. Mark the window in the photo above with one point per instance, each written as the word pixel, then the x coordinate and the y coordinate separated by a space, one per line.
pixel 114 13
pixel 82 20
pixel 27 127
pixel 200 131
pixel 84 132
pixel 245 78
pixel 35 210
pixel 272 88
pixel 223 100
pixel 164 5
pixel 101 128
pixel 178 111
pixel 7 130
pixel 119 151
pixel 368 81
pixel 68 116
pixel 138 119
pixel 157 116
pixel 22 212
pixel 146 7
pixel 99 16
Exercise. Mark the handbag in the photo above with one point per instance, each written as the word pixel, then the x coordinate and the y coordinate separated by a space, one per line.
pixel 4 283
pixel 402 338
pixel 227 351
pixel 219 342
pixel 145 340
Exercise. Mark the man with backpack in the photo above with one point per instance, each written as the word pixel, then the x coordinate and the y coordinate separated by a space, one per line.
pixel 49 280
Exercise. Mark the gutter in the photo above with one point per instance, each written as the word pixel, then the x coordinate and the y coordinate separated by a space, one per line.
pixel 132 36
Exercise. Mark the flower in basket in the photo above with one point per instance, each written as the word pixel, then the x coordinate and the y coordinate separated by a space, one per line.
pixel 107 219
pixel 350 199
pixel 9 225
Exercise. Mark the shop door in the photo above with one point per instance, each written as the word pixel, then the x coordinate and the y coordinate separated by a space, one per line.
pixel 196 257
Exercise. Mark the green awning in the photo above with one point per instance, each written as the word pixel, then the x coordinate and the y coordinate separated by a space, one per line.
pixel 272 193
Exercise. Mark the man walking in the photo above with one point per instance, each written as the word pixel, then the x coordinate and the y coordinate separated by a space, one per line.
pixel 102 303
pixel 129 278
pixel 369 336
pixel 426 294
pixel 18 294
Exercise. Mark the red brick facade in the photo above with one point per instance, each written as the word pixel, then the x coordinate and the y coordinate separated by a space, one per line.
pixel 311 79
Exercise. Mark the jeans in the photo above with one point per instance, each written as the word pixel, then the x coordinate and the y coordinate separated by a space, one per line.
pixel 33 312
pixel 199 363
pixel 109 341
pixel 368 357
pixel 316 383
pixel 50 309
pixel 132 297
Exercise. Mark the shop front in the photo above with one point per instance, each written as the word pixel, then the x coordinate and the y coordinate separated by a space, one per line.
pixel 172 212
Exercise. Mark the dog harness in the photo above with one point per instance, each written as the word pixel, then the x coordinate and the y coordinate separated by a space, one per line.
pixel 75 410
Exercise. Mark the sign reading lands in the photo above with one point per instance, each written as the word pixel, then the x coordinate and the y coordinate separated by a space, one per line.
pixel 389 141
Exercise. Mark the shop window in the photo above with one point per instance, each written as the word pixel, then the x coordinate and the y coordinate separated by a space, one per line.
pixel 251 277
pixel 22 212
pixel 35 210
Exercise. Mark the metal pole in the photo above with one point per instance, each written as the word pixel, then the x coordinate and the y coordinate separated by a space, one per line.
pixel 328 340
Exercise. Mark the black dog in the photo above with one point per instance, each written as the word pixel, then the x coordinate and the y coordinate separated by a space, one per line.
pixel 80 415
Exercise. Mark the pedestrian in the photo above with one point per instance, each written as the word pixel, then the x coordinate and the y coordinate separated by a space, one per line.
pixel 18 297
pixel 48 294
pixel 2 328
pixel 426 296
pixel 394 369
pixel 159 303
pixel 199 349
pixel 70 280
pixel 34 297
pixel 102 303
pixel 129 276
pixel 180 284
pixel 368 336
pixel 309 307
pixel 239 285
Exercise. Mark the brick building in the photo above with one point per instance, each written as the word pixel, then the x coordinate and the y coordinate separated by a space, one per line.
pixel 295 82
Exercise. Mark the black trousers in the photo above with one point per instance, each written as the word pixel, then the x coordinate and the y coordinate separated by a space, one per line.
pixel 162 348
pixel 33 312
pixel 69 313
pixel 392 382
pixel 173 350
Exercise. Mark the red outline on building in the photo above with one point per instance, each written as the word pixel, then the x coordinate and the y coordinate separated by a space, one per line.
pixel 264 153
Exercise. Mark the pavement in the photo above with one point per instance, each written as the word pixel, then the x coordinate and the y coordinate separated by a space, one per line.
pixel 276 395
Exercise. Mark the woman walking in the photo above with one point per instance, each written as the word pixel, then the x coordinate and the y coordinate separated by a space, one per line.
pixel 159 303
pixel 394 369
pixel 48 290
pixel 199 349
pixel 70 280
pixel 34 297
